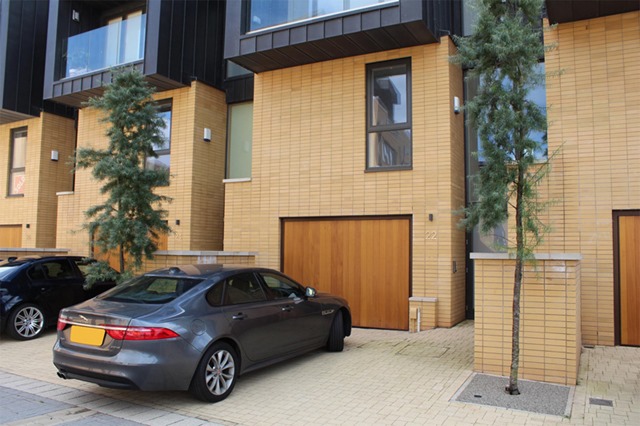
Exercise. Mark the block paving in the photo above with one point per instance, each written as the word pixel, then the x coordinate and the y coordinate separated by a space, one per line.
pixel 382 377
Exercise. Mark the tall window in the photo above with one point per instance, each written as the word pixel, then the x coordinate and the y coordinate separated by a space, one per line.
pixel 240 134
pixel 18 161
pixel 475 160
pixel 389 115
pixel 163 161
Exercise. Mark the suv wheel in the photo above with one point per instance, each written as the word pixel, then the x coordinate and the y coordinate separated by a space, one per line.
pixel 26 322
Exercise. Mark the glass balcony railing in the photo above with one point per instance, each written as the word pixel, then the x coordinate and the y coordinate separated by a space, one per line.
pixel 115 44
pixel 268 13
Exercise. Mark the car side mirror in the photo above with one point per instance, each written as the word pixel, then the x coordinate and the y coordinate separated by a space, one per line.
pixel 310 292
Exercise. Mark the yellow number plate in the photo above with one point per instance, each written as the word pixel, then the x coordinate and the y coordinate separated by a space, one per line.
pixel 87 335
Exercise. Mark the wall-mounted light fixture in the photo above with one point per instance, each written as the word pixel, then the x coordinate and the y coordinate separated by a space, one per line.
pixel 27 226
pixel 54 155
pixel 75 15
pixel 456 105
pixel 177 221
pixel 207 134
pixel 430 217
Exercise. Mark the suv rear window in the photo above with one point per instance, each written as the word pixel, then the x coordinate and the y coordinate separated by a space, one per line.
pixel 6 271
pixel 150 289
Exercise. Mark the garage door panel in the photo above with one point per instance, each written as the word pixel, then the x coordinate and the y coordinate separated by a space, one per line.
pixel 364 260
pixel 630 279
pixel 10 236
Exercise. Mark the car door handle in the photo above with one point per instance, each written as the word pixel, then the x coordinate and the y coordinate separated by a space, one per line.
pixel 287 308
pixel 239 316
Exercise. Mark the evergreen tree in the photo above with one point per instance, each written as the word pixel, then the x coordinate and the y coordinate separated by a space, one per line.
pixel 503 53
pixel 131 217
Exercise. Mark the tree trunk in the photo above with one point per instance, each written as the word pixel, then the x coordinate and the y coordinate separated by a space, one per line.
pixel 121 258
pixel 512 389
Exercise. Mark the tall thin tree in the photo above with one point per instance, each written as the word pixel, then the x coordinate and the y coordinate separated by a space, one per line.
pixel 131 217
pixel 504 53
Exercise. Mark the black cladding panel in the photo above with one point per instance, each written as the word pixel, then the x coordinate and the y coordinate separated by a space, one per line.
pixel 372 29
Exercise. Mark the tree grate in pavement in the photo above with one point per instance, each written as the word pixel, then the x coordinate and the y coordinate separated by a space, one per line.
pixel 535 397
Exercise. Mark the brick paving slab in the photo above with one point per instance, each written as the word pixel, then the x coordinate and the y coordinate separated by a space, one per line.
pixel 17 405
pixel 382 377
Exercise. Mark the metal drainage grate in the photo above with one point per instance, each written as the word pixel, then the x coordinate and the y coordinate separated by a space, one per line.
pixel 599 401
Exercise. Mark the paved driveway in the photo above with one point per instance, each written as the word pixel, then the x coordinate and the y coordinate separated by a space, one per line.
pixel 382 377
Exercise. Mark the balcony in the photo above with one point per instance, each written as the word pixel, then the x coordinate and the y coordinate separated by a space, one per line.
pixel 171 42
pixel 267 13
pixel 106 47
pixel 264 35
pixel 561 11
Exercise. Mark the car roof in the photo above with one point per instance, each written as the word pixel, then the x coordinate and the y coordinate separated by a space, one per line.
pixel 205 270
pixel 30 259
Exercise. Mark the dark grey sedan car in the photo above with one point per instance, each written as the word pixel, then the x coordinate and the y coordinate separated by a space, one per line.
pixel 195 328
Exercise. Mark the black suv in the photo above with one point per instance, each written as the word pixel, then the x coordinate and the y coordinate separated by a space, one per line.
pixel 34 289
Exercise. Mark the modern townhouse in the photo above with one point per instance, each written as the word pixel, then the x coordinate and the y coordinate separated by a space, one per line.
pixel 359 158
pixel 325 139
pixel 36 136
pixel 177 45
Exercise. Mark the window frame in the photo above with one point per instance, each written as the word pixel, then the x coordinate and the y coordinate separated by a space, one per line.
pixel 371 68
pixel 164 105
pixel 13 169
pixel 229 151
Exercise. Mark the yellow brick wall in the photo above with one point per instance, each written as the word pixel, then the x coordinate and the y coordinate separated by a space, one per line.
pixel 162 260
pixel 309 161
pixel 44 177
pixel 197 171
pixel 594 114
pixel 550 340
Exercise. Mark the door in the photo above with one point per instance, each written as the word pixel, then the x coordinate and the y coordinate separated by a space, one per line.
pixel 629 279
pixel 254 321
pixel 364 260
pixel 302 324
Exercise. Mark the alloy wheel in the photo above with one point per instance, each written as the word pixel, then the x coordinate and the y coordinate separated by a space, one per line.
pixel 220 372
pixel 28 322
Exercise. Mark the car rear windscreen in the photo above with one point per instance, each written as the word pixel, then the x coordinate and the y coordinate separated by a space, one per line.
pixel 150 289
pixel 7 271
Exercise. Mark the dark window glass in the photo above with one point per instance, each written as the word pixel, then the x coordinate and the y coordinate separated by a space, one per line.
pixel 57 270
pixel 214 296
pixel 389 115
pixel 150 289
pixel 36 273
pixel 243 288
pixel 280 287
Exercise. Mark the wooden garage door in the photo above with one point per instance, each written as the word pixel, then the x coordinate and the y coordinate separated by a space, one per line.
pixel 364 260
pixel 10 236
pixel 629 252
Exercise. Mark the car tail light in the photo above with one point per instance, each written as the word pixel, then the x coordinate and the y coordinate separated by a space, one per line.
pixel 139 333
pixel 62 322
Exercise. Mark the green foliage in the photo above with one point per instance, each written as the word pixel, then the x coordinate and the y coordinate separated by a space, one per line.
pixel 97 272
pixel 504 53
pixel 131 217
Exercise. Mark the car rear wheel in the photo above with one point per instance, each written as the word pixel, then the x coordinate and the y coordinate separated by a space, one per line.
pixel 26 322
pixel 216 374
pixel 336 335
